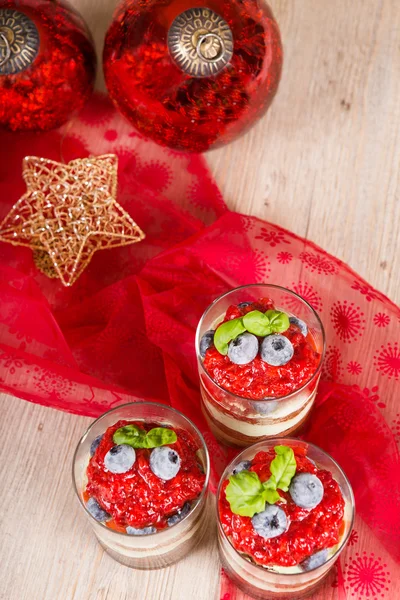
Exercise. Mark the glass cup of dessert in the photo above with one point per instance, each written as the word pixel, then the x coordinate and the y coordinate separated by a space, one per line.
pixel 285 513
pixel 259 350
pixel 141 474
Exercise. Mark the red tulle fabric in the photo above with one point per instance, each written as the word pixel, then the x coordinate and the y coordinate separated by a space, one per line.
pixel 125 330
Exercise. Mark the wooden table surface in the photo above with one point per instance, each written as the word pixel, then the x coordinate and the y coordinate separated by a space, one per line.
pixel 324 162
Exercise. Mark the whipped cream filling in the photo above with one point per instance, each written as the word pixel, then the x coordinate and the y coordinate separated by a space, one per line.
pixel 272 425
pixel 130 550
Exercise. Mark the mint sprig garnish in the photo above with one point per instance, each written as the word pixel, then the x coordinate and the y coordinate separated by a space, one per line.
pixel 135 436
pixel 160 436
pixel 227 332
pixel 283 468
pixel 255 322
pixel 244 493
pixel 247 495
pixel 279 321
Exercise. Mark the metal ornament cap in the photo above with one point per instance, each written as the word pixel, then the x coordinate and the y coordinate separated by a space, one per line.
pixel 200 42
pixel 19 41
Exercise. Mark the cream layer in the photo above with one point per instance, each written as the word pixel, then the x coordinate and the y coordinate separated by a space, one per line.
pixel 271 425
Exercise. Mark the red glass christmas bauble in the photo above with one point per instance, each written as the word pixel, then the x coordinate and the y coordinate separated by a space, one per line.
pixel 192 77
pixel 47 64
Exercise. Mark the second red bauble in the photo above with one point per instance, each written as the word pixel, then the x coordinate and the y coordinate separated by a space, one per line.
pixel 190 75
pixel 47 64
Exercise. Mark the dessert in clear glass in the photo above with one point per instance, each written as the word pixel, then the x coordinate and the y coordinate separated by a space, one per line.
pixel 259 350
pixel 141 474
pixel 285 513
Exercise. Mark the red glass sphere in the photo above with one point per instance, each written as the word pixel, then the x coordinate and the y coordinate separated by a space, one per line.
pixel 190 77
pixel 47 64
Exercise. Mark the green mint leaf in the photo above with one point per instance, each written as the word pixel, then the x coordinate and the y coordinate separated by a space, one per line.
pixel 160 436
pixel 131 435
pixel 270 484
pixel 134 436
pixel 245 494
pixel 279 321
pixel 257 323
pixel 227 332
pixel 271 496
pixel 283 467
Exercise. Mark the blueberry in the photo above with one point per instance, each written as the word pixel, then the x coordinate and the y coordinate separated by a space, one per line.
pixel 206 341
pixel 144 531
pixel 120 458
pixel 244 304
pixel 96 511
pixel 95 444
pixel 165 462
pixel 314 561
pixel 271 522
pixel 300 324
pixel 276 350
pixel 306 490
pixel 242 466
pixel 174 519
pixel 264 407
pixel 243 349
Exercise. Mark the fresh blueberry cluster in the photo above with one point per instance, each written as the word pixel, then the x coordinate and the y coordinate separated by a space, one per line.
pixel 307 491
pixel 243 338
pixel 249 497
pixel 164 462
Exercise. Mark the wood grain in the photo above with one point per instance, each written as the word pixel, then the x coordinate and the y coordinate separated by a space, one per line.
pixel 323 163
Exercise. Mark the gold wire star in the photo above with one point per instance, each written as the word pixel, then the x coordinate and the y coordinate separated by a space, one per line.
pixel 68 213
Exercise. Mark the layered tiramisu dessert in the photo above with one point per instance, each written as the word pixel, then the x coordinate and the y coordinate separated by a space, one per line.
pixel 259 363
pixel 144 484
pixel 285 513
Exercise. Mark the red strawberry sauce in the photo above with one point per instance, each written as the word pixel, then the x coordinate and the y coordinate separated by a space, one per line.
pixel 257 379
pixel 139 498
pixel 308 530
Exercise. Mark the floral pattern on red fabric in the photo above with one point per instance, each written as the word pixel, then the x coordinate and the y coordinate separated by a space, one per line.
pixel 253 269
pixel 366 576
pixel 272 237
pixel 348 320
pixel 10 363
pixel 54 386
pixel 354 367
pixel 332 367
pixel 353 539
pixel 308 292
pixel 155 174
pixel 318 263
pixel 381 319
pixel 387 360
pixel 396 427
pixel 284 258
pixel 370 394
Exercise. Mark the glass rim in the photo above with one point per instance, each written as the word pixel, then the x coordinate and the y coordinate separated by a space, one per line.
pixel 271 398
pixel 143 403
pixel 274 442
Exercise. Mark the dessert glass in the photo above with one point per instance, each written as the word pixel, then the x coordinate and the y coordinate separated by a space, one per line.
pixel 239 421
pixel 166 546
pixel 276 584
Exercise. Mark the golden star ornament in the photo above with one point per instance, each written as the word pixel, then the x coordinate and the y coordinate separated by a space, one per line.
pixel 68 213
